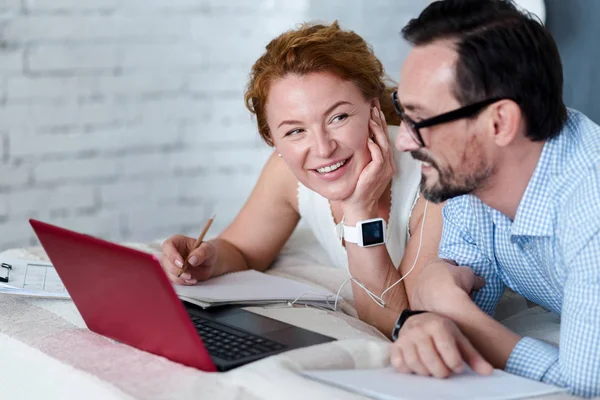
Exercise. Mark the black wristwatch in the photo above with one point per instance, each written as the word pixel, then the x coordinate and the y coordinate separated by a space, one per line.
pixel 404 315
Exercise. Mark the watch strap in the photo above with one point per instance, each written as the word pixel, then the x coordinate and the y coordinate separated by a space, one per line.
pixel 351 234
pixel 404 315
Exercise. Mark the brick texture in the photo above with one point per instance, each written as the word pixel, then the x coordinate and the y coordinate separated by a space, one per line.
pixel 125 119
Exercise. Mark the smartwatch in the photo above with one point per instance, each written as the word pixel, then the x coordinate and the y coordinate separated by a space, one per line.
pixel 367 233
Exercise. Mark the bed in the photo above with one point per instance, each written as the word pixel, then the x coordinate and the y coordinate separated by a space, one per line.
pixel 46 351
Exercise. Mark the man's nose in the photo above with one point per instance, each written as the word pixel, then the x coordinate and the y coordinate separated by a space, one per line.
pixel 404 141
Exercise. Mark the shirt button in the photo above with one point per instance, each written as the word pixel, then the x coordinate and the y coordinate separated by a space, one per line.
pixel 527 246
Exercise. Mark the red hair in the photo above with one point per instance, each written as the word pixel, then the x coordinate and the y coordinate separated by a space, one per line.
pixel 318 48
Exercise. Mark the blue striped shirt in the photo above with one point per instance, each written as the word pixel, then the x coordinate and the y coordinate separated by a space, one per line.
pixel 550 254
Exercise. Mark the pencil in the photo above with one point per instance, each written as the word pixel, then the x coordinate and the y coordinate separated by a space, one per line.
pixel 198 242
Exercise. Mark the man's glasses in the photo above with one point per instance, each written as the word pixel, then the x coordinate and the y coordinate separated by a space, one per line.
pixel 413 127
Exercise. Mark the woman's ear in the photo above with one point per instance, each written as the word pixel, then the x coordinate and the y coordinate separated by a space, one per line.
pixel 375 103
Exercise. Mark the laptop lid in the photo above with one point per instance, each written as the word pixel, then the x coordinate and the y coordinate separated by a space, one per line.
pixel 124 294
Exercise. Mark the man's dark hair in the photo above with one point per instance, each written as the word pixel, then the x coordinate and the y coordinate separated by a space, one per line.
pixel 502 52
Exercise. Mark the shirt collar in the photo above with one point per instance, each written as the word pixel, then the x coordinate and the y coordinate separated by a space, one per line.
pixel 533 217
pixel 535 211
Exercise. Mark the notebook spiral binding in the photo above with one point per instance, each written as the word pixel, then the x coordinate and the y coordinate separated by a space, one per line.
pixel 6 269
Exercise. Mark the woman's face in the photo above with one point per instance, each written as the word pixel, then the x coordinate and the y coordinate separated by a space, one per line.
pixel 320 126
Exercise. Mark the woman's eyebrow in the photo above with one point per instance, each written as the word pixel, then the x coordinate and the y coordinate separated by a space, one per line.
pixel 336 105
pixel 329 110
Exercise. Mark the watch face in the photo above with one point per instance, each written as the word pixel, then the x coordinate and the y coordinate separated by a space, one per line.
pixel 372 233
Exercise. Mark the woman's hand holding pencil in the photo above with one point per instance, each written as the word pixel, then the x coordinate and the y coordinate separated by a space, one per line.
pixel 187 260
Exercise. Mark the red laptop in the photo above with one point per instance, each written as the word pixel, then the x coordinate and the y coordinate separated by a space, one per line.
pixel 124 294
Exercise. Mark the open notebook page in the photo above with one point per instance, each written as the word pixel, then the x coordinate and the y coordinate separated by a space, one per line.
pixel 387 384
pixel 252 287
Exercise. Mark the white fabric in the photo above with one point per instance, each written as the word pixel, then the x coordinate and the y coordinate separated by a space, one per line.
pixel 46 352
pixel 315 210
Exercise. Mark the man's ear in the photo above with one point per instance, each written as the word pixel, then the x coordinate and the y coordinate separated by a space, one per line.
pixel 507 122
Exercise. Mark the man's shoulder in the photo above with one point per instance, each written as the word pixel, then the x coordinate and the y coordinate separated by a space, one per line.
pixel 576 160
pixel 579 215
pixel 584 193
pixel 579 143
pixel 466 211
pixel 579 182
pixel 576 120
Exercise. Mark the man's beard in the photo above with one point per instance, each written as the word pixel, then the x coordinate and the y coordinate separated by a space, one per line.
pixel 451 184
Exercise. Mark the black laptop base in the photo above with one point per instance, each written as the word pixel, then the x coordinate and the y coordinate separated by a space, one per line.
pixel 234 337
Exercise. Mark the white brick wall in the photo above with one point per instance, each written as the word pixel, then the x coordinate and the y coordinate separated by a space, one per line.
pixel 125 118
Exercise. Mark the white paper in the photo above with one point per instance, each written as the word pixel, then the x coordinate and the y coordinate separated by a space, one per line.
pixel 387 384
pixel 253 287
pixel 39 278
pixel 33 278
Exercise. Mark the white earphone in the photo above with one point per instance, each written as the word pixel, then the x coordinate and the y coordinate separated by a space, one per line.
pixel 377 299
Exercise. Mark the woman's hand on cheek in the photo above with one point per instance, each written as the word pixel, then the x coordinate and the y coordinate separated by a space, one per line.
pixel 375 177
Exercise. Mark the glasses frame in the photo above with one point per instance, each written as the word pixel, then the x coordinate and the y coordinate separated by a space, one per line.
pixel 463 112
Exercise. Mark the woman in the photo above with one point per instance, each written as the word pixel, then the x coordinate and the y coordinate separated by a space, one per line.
pixel 318 93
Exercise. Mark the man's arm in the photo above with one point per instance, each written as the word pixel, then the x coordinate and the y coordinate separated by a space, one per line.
pixel 429 344
pixel 481 329
pixel 458 245
pixel 472 316
pixel 576 365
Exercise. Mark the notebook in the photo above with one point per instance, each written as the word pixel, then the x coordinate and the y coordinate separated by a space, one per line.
pixel 253 288
pixel 36 278
pixel 387 384
pixel 39 279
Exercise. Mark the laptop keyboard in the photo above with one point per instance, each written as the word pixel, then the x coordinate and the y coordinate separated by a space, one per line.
pixel 231 344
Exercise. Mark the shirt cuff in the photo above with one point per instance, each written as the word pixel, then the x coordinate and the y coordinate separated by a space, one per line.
pixel 533 358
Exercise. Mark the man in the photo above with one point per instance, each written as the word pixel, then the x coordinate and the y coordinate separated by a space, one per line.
pixel 481 101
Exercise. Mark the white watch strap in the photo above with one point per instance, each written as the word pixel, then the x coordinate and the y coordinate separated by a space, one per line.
pixel 351 234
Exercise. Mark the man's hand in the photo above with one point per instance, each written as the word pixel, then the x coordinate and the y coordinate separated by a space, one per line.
pixel 431 345
pixel 441 284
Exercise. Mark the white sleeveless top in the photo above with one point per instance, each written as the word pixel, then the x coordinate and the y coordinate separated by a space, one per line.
pixel 315 210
